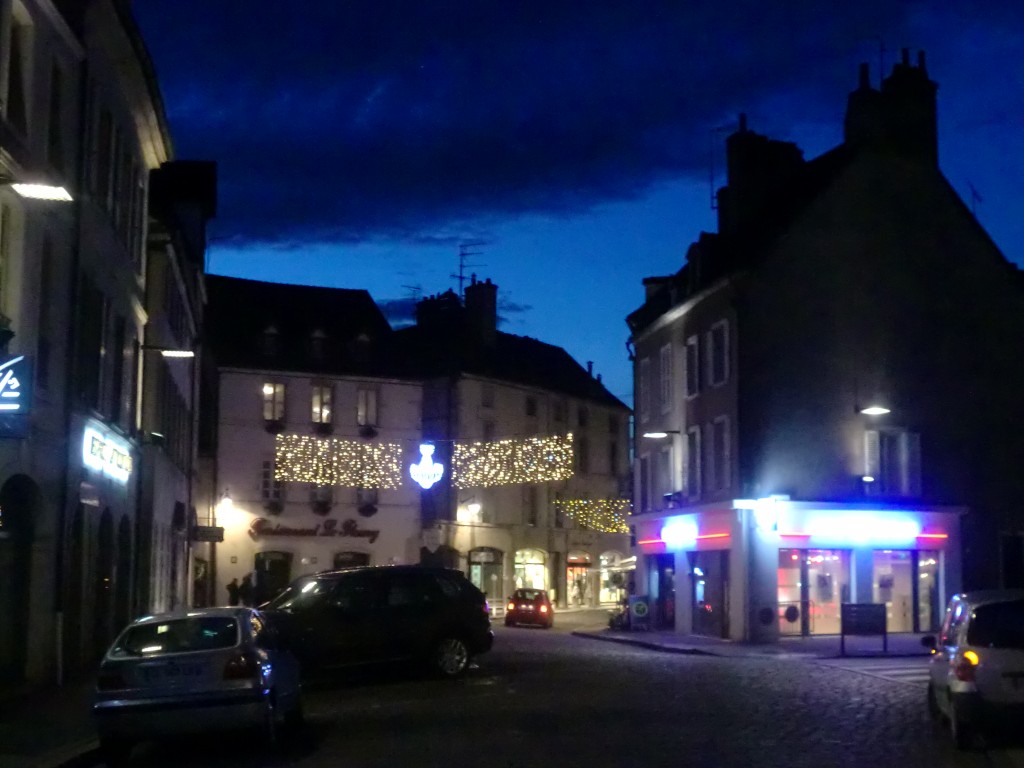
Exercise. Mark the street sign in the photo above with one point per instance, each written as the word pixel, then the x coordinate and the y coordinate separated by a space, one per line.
pixel 209 533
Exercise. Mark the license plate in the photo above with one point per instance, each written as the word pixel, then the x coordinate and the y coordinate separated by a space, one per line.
pixel 169 672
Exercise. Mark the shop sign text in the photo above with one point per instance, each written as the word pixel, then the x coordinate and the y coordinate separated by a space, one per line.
pixel 263 526
pixel 107 454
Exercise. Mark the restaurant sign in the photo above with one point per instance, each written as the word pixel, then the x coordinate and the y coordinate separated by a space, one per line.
pixel 263 526
pixel 106 453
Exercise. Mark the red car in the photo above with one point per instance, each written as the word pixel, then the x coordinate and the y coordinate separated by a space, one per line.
pixel 529 606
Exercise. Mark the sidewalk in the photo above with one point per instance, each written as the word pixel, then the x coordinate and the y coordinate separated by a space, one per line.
pixel 47 728
pixel 818 647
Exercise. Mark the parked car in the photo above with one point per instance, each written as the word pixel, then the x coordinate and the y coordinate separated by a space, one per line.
pixel 383 614
pixel 976 673
pixel 199 670
pixel 530 606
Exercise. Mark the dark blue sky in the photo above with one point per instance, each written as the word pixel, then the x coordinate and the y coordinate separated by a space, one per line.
pixel 360 141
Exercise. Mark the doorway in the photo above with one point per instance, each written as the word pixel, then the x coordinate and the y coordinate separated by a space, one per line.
pixel 273 574
pixel 812 585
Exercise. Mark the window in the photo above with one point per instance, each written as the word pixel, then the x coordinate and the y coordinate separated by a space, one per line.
pixel 693 447
pixel 18 65
pixel 323 400
pixel 366 407
pixel 718 353
pixel 664 472
pixel 270 343
pixel 720 439
pixel 583 456
pixel 271 489
pixel 318 345
pixel 692 366
pixel 104 145
pixel 273 402
pixel 118 408
pixel 531 405
pixel 6 236
pixel 321 494
pixel 410 589
pixel 644 482
pixel 665 378
pixel 558 409
pixel 644 385
pixel 55 129
pixel 367 497
pixel 892 463
pixel 583 417
pixel 613 456
pixel 531 504
pixel 487 396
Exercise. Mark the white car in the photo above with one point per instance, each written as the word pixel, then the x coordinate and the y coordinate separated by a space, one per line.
pixel 194 671
pixel 976 673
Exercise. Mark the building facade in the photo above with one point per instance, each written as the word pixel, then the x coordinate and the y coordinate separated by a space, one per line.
pixel 341 442
pixel 82 112
pixel 808 369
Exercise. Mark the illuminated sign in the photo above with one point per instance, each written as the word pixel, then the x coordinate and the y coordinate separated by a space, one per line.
pixel 107 454
pixel 426 471
pixel 680 532
pixel 15 395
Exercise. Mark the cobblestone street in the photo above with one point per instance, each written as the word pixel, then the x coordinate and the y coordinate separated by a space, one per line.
pixel 548 698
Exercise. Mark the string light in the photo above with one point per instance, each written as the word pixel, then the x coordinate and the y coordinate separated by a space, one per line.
pixel 604 515
pixel 510 462
pixel 332 461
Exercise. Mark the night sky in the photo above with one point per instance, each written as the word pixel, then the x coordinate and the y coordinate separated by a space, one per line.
pixel 360 142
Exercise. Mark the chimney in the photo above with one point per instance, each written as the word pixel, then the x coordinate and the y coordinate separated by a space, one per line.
pixel 482 310
pixel 901 117
pixel 590 368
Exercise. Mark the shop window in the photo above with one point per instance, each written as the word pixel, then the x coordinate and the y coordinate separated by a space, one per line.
pixel 929 610
pixel 812 585
pixel 531 571
pixel 892 583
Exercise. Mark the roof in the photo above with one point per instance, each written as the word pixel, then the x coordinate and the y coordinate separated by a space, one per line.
pixel 188 613
pixel 418 352
pixel 272 326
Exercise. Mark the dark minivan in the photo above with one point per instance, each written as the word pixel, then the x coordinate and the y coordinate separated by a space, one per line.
pixel 379 614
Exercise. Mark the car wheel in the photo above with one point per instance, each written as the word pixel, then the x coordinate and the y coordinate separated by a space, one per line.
pixel 451 656
pixel 933 704
pixel 962 732
pixel 115 752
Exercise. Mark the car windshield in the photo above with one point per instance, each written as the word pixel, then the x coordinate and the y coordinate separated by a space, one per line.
pixel 530 594
pixel 194 633
pixel 998 625
pixel 300 594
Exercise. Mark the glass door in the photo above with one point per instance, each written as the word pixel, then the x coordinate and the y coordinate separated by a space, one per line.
pixel 812 585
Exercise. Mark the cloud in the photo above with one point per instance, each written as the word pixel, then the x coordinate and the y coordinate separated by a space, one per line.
pixel 394 120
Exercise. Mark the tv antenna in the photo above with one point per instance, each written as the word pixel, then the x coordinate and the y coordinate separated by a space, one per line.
pixel 413 292
pixel 713 135
pixel 466 252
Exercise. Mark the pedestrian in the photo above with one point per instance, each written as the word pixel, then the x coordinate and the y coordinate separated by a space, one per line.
pixel 245 590
pixel 233 593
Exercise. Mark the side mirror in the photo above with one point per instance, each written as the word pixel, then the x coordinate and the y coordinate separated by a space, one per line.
pixel 928 641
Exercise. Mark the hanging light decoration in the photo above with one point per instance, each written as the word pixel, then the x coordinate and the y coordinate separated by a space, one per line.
pixel 603 515
pixel 510 462
pixel 332 461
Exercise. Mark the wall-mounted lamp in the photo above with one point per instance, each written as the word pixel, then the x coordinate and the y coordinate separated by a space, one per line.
pixel 661 435
pixel 875 410
pixel 36 191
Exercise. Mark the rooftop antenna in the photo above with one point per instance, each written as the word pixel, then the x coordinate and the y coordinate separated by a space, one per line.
pixel 413 292
pixel 712 142
pixel 467 251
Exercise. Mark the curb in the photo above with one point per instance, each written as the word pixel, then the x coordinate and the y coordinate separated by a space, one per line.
pixel 686 651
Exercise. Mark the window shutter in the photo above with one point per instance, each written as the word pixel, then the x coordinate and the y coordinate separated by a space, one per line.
pixel 872 454
pixel 911 464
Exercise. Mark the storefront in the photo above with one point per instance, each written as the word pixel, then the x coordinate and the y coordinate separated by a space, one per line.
pixel 485 571
pixel 760 569
pixel 531 569
pixel 577 578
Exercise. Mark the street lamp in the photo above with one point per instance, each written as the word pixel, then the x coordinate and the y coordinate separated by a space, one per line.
pixel 875 410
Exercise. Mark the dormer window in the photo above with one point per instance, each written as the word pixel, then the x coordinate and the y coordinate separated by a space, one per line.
pixel 270 343
pixel 318 344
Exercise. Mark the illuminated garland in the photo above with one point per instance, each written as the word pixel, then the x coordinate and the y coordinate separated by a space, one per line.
pixel 604 515
pixel 330 461
pixel 509 462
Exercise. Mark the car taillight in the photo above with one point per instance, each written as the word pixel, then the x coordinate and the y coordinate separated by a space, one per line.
pixel 110 680
pixel 543 609
pixel 965 666
pixel 242 666
pixel 511 606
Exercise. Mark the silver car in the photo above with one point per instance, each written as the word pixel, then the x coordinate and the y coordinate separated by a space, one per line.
pixel 976 673
pixel 191 671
